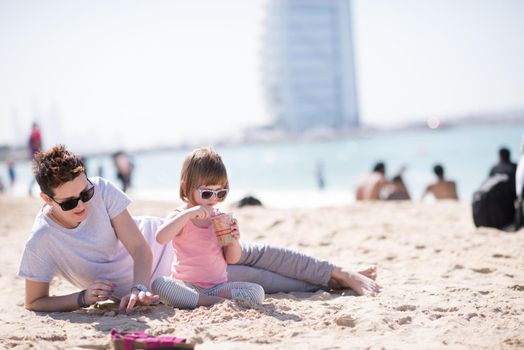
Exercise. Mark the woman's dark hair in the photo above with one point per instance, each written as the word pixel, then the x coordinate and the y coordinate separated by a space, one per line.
pixel 56 167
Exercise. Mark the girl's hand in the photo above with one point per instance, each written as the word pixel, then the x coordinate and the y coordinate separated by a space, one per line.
pixel 201 212
pixel 234 229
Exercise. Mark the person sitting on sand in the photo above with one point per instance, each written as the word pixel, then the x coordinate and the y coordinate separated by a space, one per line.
pixel 442 188
pixel 372 185
pixel 85 234
pixel 397 189
pixel 199 275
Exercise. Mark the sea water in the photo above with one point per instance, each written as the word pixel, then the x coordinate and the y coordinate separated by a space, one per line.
pixel 285 174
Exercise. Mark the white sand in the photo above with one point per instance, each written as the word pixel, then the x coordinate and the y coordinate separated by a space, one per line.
pixel 445 285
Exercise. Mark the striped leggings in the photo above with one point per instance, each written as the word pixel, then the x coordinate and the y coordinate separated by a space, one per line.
pixel 185 295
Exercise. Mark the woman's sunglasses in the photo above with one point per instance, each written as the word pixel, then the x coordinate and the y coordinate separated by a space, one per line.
pixel 71 204
pixel 207 194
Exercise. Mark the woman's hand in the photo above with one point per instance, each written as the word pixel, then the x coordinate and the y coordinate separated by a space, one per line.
pixel 136 297
pixel 99 290
pixel 201 212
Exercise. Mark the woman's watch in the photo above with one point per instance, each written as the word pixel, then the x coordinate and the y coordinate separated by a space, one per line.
pixel 140 287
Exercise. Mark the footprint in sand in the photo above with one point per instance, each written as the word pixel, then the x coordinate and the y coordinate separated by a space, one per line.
pixel 502 256
pixel 484 270
pixel 517 287
pixel 404 320
pixel 446 309
pixel 406 308
pixel 345 321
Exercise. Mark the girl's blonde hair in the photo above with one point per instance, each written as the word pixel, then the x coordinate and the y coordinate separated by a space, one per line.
pixel 203 166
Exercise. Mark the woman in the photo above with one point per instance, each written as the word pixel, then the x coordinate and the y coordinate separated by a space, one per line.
pixel 85 234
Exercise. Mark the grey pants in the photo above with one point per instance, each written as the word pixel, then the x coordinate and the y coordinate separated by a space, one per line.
pixel 280 269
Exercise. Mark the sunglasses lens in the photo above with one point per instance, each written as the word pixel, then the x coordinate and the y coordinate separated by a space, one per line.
pixel 221 194
pixel 87 195
pixel 70 204
pixel 206 194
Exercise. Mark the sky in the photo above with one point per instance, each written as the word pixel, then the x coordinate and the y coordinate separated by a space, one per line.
pixel 106 74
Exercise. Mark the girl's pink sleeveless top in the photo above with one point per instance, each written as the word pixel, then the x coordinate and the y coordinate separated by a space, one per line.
pixel 199 259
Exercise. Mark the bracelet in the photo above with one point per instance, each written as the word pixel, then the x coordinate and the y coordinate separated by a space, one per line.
pixel 81 299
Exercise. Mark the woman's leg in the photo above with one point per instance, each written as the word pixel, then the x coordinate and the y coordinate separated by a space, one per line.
pixel 304 268
pixel 239 290
pixel 271 282
pixel 287 262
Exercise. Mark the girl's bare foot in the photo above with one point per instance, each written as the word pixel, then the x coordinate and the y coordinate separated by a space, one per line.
pixel 362 282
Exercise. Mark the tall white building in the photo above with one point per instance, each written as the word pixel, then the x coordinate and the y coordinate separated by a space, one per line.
pixel 308 65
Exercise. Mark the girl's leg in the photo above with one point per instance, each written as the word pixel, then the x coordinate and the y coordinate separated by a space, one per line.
pixel 179 295
pixel 239 290
pixel 271 282
pixel 287 262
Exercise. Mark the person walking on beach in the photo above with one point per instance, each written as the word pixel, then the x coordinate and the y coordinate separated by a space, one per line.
pixel 11 172
pixel 370 187
pixel 199 275
pixel 124 169
pixel 442 188
pixel 84 233
pixel 35 146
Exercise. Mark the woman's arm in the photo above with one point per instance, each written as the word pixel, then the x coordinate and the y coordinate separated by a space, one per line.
pixel 37 296
pixel 130 236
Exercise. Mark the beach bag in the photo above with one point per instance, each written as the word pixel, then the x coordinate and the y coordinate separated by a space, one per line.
pixel 493 203
pixel 140 340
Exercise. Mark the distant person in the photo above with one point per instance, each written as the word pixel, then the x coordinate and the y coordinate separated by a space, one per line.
pixel 35 146
pixel 124 169
pixel 442 188
pixel 493 204
pixel 396 189
pixel 505 165
pixel 519 172
pixel 11 172
pixel 319 172
pixel 372 185
pixel 519 188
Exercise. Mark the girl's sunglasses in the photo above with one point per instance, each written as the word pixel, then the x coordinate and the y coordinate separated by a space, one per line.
pixel 71 204
pixel 207 194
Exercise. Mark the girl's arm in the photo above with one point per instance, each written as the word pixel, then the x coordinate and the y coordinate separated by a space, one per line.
pixel 174 225
pixel 232 251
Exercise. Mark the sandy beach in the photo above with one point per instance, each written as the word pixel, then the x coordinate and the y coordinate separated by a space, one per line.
pixel 446 285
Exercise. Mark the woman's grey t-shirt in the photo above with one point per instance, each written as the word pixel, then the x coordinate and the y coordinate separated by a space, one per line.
pixel 92 250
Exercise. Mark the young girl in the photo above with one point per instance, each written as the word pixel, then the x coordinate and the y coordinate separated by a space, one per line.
pixel 199 275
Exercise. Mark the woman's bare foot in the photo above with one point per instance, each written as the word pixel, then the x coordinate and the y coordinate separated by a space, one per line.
pixel 362 282
pixel 370 272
